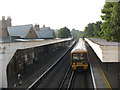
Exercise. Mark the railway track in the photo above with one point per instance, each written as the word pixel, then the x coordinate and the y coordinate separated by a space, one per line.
pixel 60 75
pixel 76 79
pixel 65 83
pixel 79 80
pixel 36 83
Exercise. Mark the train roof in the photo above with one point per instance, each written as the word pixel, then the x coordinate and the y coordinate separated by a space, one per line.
pixel 80 46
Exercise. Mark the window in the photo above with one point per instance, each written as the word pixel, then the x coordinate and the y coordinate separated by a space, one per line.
pixel 79 56
pixel 83 56
pixel 75 56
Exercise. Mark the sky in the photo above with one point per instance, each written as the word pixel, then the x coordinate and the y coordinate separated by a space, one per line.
pixel 55 14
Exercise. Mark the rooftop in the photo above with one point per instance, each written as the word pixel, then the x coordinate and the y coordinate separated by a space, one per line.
pixel 104 42
pixel 21 30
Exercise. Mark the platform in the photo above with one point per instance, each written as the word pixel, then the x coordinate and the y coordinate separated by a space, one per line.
pixel 98 77
pixel 28 80
pixel 106 51
pixel 104 74
pixel 7 50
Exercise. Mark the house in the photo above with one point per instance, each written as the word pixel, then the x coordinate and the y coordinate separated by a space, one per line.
pixel 22 31
pixel 10 33
pixel 45 32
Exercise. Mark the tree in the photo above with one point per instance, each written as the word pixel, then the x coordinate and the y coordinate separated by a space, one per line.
pixel 56 32
pixel 64 33
pixel 107 9
pixel 115 22
pixel 93 30
pixel 88 32
pixel 97 29
pixel 80 34
pixel 111 26
pixel 76 33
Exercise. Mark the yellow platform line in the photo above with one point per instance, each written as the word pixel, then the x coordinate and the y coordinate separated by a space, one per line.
pixel 104 76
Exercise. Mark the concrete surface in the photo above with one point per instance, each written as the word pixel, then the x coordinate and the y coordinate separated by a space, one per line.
pixel 7 50
pixel 111 70
pixel 106 51
pixel 98 75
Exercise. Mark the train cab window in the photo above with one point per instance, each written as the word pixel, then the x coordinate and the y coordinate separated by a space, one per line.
pixel 75 56
pixel 83 55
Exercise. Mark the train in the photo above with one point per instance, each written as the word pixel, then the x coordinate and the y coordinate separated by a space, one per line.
pixel 79 56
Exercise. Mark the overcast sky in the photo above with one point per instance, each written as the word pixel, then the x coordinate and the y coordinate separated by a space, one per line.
pixel 53 13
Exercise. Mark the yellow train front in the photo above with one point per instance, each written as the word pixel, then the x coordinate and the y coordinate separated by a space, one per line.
pixel 79 56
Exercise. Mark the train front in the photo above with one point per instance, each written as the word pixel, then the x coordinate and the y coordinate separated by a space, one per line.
pixel 79 56
pixel 79 61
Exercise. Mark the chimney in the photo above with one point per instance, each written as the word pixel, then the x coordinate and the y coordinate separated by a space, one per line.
pixel 37 27
pixel 43 26
pixel 9 21
pixel 3 17
pixel 4 27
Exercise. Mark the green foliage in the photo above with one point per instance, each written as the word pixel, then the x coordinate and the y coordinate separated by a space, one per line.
pixel 93 30
pixel 107 11
pixel 80 34
pixel 111 26
pixel 110 29
pixel 64 33
pixel 88 32
pixel 76 34
pixel 56 33
pixel 97 29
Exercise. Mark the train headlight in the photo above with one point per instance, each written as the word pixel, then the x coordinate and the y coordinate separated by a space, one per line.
pixel 73 63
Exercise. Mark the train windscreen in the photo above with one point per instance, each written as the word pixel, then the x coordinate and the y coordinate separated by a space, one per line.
pixel 76 56
pixel 79 56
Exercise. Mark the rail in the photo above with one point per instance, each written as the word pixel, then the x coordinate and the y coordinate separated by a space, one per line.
pixel 70 81
pixel 64 77
pixel 93 78
pixel 40 77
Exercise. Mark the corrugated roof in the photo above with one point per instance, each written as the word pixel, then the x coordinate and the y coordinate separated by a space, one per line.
pixel 21 30
pixel 45 33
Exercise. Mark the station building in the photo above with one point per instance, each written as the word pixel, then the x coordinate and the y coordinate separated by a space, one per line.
pixel 24 46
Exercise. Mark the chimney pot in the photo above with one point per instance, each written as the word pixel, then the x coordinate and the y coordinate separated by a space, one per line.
pixel 3 17
pixel 43 26
pixel 9 18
